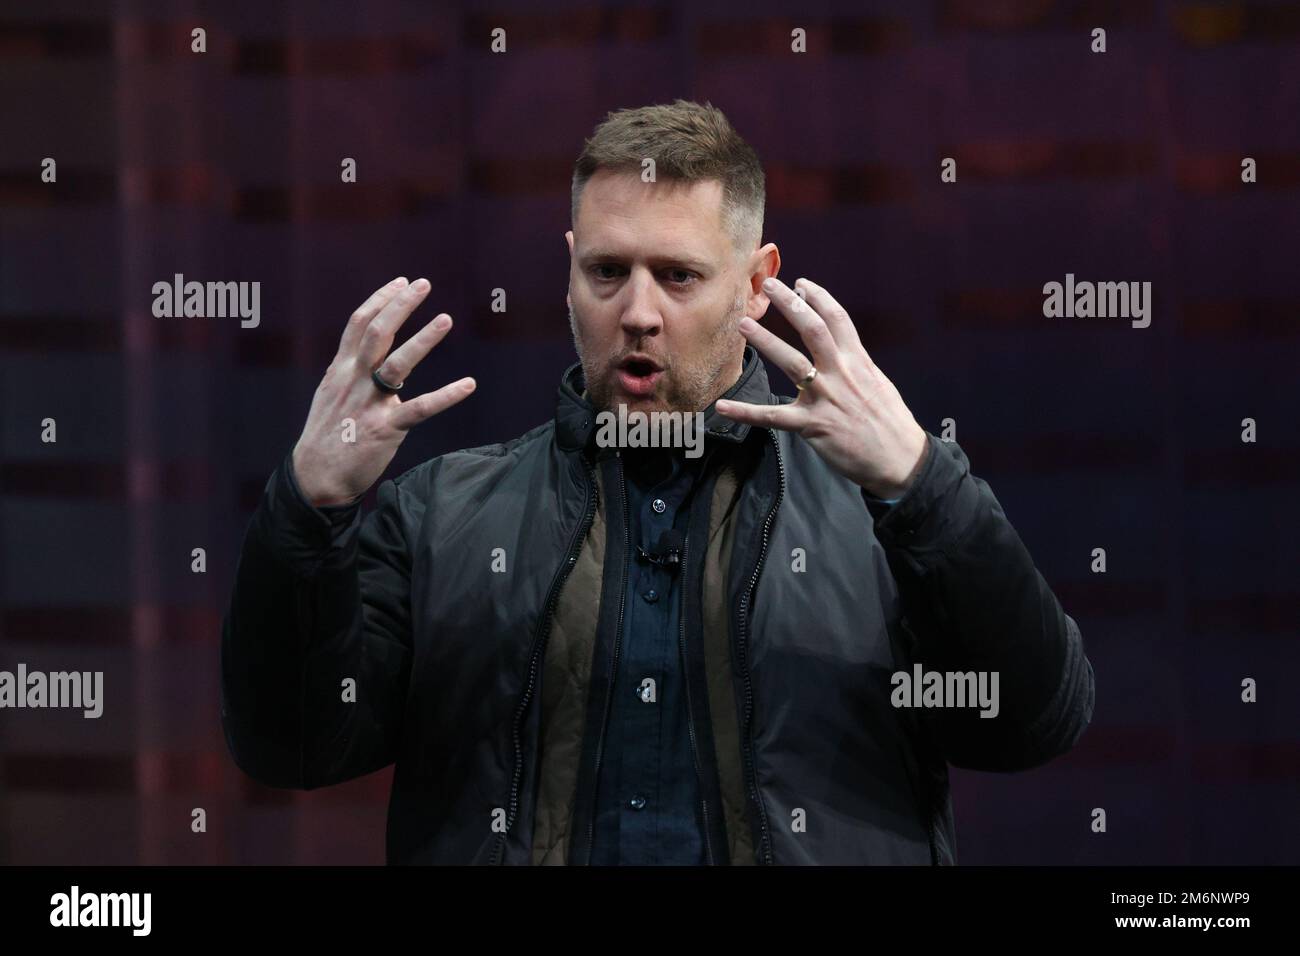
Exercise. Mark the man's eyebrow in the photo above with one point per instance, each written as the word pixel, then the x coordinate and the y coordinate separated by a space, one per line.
pixel 605 255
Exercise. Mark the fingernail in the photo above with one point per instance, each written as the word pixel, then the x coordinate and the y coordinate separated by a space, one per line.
pixel 769 284
pixel 441 322
pixel 399 281
pixel 419 285
pixel 747 324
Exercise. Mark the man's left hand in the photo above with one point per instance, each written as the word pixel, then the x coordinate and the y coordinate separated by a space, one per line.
pixel 850 413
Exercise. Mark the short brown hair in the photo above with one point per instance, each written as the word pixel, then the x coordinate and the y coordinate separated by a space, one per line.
pixel 688 143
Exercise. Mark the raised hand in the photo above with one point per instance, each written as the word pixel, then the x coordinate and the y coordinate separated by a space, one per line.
pixel 332 470
pixel 849 412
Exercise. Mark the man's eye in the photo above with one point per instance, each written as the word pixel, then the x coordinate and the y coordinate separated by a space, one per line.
pixel 680 276
pixel 605 271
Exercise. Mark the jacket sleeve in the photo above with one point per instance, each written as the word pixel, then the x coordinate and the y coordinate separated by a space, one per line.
pixel 973 600
pixel 321 597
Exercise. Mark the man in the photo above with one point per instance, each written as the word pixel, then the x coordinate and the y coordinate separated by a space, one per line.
pixel 581 653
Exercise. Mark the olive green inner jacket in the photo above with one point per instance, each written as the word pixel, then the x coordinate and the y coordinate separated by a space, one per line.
pixel 566 680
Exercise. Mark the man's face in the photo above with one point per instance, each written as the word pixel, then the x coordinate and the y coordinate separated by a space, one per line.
pixel 656 287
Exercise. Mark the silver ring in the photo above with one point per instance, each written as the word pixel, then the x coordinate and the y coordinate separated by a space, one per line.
pixel 382 385
pixel 806 380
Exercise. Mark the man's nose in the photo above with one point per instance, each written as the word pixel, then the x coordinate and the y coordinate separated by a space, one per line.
pixel 641 314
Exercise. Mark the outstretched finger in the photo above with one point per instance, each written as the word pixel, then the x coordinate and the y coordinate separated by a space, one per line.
pixel 399 364
pixel 378 335
pixel 367 311
pixel 789 359
pixel 413 411
pixel 791 418
pixel 836 317
pixel 812 328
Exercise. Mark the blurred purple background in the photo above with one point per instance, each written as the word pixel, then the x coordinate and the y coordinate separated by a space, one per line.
pixel 225 166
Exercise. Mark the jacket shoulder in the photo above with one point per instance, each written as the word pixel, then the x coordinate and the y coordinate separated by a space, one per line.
pixel 482 462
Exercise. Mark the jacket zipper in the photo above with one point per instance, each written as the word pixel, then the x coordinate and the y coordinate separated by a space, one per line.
pixel 618 640
pixel 765 845
pixel 543 632
pixel 690 713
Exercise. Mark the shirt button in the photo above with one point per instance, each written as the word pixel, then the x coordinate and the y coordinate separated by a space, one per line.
pixel 659 506
pixel 651 596
pixel 636 803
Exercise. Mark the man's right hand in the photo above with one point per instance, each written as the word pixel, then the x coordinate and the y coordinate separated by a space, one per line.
pixel 332 471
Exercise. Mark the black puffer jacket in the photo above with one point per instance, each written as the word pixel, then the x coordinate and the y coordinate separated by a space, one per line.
pixel 428 633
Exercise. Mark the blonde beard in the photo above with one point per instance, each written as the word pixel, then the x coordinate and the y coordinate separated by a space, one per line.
pixel 694 387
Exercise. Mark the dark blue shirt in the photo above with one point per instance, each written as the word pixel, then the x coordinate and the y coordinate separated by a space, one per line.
pixel 648 793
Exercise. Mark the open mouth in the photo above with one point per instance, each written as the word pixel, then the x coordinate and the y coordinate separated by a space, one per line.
pixel 638 375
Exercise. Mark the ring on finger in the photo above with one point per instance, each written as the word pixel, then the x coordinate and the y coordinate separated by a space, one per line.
pixel 807 379
pixel 382 385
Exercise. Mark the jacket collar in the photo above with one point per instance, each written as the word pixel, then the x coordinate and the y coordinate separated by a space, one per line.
pixel 575 417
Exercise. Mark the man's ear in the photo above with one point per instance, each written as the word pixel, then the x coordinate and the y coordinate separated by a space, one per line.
pixel 764 262
pixel 568 298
